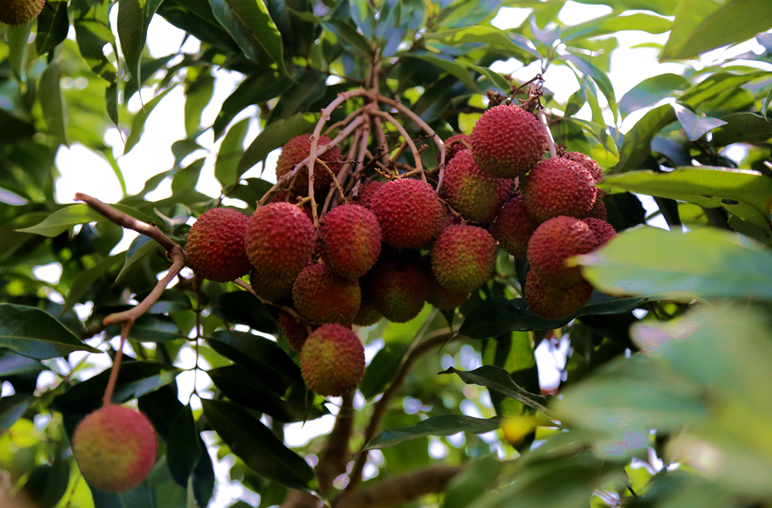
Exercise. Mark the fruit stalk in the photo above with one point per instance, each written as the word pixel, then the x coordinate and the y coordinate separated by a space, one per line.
pixel 108 396
pixel 405 135
pixel 550 142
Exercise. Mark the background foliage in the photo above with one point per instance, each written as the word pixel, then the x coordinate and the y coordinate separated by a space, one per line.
pixel 672 366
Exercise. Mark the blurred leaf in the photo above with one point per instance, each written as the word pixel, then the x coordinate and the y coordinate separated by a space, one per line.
pixel 35 333
pixel 197 95
pixel 650 91
pixel 182 450
pixel 53 25
pixel 443 425
pixel 613 23
pixel 636 146
pixel 91 20
pixel 743 128
pixel 513 43
pixel 12 364
pixel 257 446
pixel 230 153
pixel 52 102
pixel 496 378
pixel 449 65
pixel 86 279
pixel 695 126
pixel 12 407
pixel 253 90
pixel 382 369
pixel 472 482
pixel 133 20
pixel 47 484
pixel 138 124
pixel 243 308
pixel 705 263
pixel 154 328
pixel 715 84
pixel 273 136
pixel 600 78
pixel 17 39
pixel 346 31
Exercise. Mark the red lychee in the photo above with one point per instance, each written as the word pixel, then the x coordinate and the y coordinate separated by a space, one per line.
pixel 604 231
pixel 549 302
pixel 323 297
pixel 440 296
pixel 455 144
pixel 409 212
pixel 294 331
pixel 351 240
pixel 366 192
pixel 216 245
pixel 115 448
pixel 507 141
pixel 332 360
pixel 513 228
pixel 475 195
pixel 598 209
pixel 463 257
pixel 399 290
pixel 558 187
pixel 554 242
pixel 295 151
pixel 587 163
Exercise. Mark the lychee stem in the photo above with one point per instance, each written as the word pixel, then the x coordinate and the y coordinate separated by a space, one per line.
pixel 405 136
pixel 108 397
pixel 550 142
pixel 344 172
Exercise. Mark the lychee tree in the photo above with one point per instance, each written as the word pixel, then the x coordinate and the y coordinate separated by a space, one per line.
pixel 426 209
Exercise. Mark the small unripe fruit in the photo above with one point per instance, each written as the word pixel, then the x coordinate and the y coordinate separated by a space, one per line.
pixel 513 228
pixel 455 144
pixel 351 240
pixel 332 360
pixel 604 231
pixel 294 331
pixel 115 448
pixel 463 257
pixel 507 141
pixel 322 297
pixel 20 12
pixel 279 241
pixel 295 151
pixel 399 290
pixel 409 212
pixel 475 195
pixel 558 187
pixel 549 302
pixel 216 245
pixel 553 243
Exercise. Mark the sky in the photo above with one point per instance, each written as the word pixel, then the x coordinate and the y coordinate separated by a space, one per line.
pixel 84 171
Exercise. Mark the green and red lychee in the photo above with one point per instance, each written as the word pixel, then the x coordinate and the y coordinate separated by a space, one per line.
pixel 295 151
pixel 463 257
pixel 455 144
pixel 558 187
pixel 399 290
pixel 216 245
pixel 507 141
pixel 513 228
pixel 351 240
pixel 553 243
pixel 439 296
pixel 332 360
pixel 323 297
pixel 409 211
pixel 20 12
pixel 115 448
pixel 549 302
pixel 273 289
pixel 294 331
pixel 475 195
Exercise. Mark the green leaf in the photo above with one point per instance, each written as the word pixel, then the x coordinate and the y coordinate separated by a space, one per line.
pixel 498 379
pixel 37 334
pixel 196 17
pixel 64 219
pixel 474 481
pixel 243 308
pixel 650 91
pixel 273 136
pixel 705 263
pixel 765 105
pixel 153 328
pixel 255 89
pixel 257 446
pixel 140 248
pixel 12 408
pixel 636 146
pixel 449 65
pixel 513 43
pixel 715 84
pixel 52 102
pixel 138 125
pixel 494 77
pixel 613 23
pixel 695 126
pixel 91 20
pixel 53 25
pixel 443 425
pixel 743 193
pixel 133 20
pixel 702 25
pixel 18 37
pixel 347 32
pixel 230 153
pixel 743 127
pixel 251 26
pixel 85 280
pixel 197 96
pixel 600 78
pixel 12 364
pixel 182 450
pixel 382 369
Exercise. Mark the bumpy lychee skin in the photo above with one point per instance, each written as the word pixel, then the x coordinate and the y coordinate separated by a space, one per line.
pixel 472 193
pixel 455 144
pixel 351 240
pixel 323 297
pixel 399 290
pixel 441 297
pixel 558 187
pixel 115 448
pixel 295 151
pixel 514 227
pixel 604 231
pixel 279 241
pixel 409 212
pixel 587 163
pixel 294 331
pixel 20 12
pixel 554 242
pixel 216 245
pixel 366 192
pixel 332 360
pixel 273 289
pixel 463 257
pixel 598 209
pixel 554 303
pixel 507 141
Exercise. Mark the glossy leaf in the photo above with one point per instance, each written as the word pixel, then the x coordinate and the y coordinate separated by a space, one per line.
pixel 613 23
pixel 12 408
pixel 695 126
pixel 650 91
pixel 500 380
pixel 443 425
pixel 92 31
pixel 600 78
pixel 140 248
pixel 53 25
pixel 133 21
pixel 273 136
pixel 253 90
pixel 743 128
pixel 450 66
pixel 636 147
pixel 182 449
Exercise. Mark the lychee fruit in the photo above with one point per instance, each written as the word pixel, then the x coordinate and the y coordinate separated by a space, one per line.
pixel 366 192
pixel 463 257
pixel 455 144
pixel 475 195
pixel 294 331
pixel 295 151
pixel 604 231
pixel 279 241
pixel 332 361
pixel 399 290
pixel 558 187
pixel 323 297
pixel 115 448
pixel 351 240
pixel 20 12
pixel 598 209
pixel 216 245
pixel 409 212
pixel 368 312
pixel 554 242
pixel 273 289
pixel 587 162
pixel 507 141
pixel 441 297
pixel 514 227
pixel 549 302
pixel 283 196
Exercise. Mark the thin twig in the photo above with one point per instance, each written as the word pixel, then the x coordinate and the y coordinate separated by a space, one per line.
pixel 332 174
pixel 107 399
pixel 289 310
pixel 344 172
pixel 551 142
pixel 405 135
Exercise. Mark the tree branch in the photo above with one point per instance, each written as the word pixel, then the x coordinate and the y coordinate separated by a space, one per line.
pixel 405 135
pixel 333 460
pixel 400 489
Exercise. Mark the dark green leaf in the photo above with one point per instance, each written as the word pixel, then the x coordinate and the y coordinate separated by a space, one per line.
pixel 443 425
pixel 243 308
pixel 743 128
pixel 12 364
pixel 138 125
pixel 346 31
pixel 47 484
pixel 695 126
pixel 382 369
pixel 473 482
pixel 636 146
pixel 86 279
pixel 91 20
pixel 253 90
pixel 182 448
pixel 18 37
pixel 52 101
pixel 231 151
pixel 12 407
pixel 273 136
pixel 600 78
pixel 133 20
pixel 500 380
pixel 257 446
pixel 196 17
pixel 140 248
pixel 650 91
pixel 53 24
pixel 449 65
pixel 154 328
